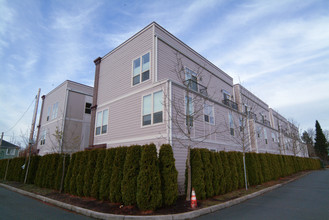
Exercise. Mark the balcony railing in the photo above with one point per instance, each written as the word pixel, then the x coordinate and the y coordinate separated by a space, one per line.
pixel 230 103
pixel 194 86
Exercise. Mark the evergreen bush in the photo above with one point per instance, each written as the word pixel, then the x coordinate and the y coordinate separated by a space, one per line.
pixel 208 172
pixel 227 172
pixel 75 172
pixel 69 172
pixel 81 172
pixel 130 174
pixel 90 170
pixel 169 175
pixel 104 190
pixel 234 172
pixel 149 195
pixel 216 180
pixel 117 175
pixel 197 174
pixel 98 173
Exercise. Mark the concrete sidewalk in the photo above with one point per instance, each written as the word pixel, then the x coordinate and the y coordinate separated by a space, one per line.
pixel 187 215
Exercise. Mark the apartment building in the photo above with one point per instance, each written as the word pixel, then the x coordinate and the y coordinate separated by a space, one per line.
pixel 153 88
pixel 65 117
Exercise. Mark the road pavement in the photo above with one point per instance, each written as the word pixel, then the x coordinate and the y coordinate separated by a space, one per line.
pixel 305 198
pixel 16 206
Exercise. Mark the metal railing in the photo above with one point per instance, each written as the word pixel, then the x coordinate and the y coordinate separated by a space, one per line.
pixel 230 103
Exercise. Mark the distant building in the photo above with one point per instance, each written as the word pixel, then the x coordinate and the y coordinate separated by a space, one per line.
pixel 154 88
pixel 65 119
pixel 8 150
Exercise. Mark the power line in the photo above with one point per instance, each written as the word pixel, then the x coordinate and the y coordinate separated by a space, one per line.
pixel 21 117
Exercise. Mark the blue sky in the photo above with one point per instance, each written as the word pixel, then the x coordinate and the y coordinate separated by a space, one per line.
pixel 279 50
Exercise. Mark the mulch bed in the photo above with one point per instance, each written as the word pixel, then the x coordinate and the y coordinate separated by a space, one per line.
pixel 181 205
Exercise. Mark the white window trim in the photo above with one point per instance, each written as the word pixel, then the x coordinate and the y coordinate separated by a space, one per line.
pixel 108 118
pixel 140 74
pixel 213 111
pixel 152 109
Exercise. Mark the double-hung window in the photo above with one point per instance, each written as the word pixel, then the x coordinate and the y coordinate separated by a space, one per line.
pixel 141 69
pixel 55 110
pixel 152 108
pixel 191 79
pixel 209 114
pixel 265 136
pixel 230 117
pixel 189 111
pixel 101 122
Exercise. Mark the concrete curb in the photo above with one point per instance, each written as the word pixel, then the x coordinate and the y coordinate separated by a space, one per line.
pixel 186 215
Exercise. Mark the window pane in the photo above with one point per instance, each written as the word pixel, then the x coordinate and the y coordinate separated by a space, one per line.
pixel 212 121
pixel 98 130
pixel 99 119
pixel 157 117
pixel 137 67
pixel 146 62
pixel 136 79
pixel 147 105
pixel 104 129
pixel 206 118
pixel 157 101
pixel 147 119
pixel 145 75
pixel 105 117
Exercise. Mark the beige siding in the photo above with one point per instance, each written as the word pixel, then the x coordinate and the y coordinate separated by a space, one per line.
pixel 115 77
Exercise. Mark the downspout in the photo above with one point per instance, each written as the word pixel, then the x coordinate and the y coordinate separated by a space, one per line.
pixel 170 112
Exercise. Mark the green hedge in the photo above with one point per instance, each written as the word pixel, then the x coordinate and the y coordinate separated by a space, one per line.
pixel 223 172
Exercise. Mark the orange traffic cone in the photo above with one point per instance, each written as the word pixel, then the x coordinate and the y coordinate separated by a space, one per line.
pixel 193 200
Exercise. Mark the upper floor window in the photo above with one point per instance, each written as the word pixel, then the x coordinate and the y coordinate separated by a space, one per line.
pixel 273 137
pixel 101 122
pixel 55 110
pixel 189 111
pixel 226 95
pixel 191 79
pixel 209 114
pixel 48 113
pixel 141 69
pixel 152 108
pixel 88 108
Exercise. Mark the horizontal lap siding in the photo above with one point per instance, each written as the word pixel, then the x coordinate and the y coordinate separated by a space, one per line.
pixel 170 39
pixel 167 62
pixel 125 119
pixel 115 77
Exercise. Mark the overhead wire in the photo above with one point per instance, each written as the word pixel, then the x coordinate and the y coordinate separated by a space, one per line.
pixel 21 117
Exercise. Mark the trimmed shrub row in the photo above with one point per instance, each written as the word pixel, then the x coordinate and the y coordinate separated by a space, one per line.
pixel 130 175
pixel 216 173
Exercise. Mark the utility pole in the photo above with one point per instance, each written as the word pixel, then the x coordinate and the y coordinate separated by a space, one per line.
pixel 31 142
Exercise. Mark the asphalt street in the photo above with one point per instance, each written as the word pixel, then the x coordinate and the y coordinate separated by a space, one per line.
pixel 305 198
pixel 16 206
